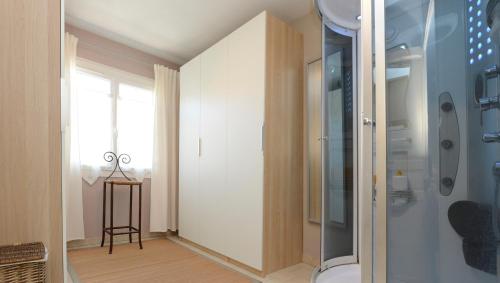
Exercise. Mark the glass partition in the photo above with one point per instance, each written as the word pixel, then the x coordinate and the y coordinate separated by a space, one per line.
pixel 339 225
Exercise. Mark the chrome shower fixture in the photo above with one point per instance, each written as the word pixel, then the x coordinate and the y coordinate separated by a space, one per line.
pixel 492 72
pixel 492 137
pixel 488 103
pixel 496 169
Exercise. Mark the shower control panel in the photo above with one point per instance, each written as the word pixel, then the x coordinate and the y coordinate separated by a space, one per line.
pixel 449 144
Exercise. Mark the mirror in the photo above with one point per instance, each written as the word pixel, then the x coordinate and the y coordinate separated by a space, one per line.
pixel 314 139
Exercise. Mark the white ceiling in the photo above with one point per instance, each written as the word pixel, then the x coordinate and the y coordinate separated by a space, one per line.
pixel 176 30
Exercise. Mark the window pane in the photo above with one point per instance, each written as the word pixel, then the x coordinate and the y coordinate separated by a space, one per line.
pixel 135 124
pixel 95 113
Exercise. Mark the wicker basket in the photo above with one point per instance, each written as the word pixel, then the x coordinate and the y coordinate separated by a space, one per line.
pixel 23 263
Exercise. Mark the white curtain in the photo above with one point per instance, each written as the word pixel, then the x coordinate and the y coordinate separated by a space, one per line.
pixel 72 176
pixel 163 215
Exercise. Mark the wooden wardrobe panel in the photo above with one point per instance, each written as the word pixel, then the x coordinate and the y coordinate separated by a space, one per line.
pixel 283 161
pixel 189 133
pixel 56 270
pixel 30 140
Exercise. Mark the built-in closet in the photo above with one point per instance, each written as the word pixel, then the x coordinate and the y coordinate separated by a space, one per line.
pixel 240 147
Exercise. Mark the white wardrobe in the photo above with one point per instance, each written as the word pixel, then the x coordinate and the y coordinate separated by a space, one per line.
pixel 240 147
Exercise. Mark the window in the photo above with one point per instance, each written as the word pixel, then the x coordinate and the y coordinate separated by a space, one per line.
pixel 115 111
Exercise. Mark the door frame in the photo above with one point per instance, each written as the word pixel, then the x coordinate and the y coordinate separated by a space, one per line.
pixel 365 146
pixel 373 197
pixel 351 259
pixel 381 197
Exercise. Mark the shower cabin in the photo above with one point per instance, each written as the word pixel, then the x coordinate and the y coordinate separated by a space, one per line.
pixel 437 105
pixel 339 134
pixel 424 143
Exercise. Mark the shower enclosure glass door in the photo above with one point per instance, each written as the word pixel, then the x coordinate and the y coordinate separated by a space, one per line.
pixel 437 202
pixel 339 211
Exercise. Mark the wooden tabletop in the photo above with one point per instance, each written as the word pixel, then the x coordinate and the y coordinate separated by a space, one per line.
pixel 123 182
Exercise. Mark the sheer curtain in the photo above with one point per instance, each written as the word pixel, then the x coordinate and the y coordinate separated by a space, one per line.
pixel 164 170
pixel 95 122
pixel 72 176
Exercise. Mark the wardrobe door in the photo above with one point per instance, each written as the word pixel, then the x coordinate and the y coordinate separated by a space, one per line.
pixel 189 133
pixel 245 121
pixel 213 204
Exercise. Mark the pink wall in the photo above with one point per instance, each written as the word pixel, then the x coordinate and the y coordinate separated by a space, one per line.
pixel 92 207
pixel 104 51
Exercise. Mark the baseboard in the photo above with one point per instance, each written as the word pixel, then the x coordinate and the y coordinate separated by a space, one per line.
pixel 220 258
pixel 314 262
pixel 72 273
pixel 117 240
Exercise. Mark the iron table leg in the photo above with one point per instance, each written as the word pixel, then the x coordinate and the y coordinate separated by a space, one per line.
pixel 111 221
pixel 103 213
pixel 140 215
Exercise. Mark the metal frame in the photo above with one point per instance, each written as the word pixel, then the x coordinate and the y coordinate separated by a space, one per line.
pixel 354 257
pixel 365 146
pixel 366 137
pixel 380 243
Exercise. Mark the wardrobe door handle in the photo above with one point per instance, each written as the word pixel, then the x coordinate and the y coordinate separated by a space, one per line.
pixel 199 146
pixel 262 133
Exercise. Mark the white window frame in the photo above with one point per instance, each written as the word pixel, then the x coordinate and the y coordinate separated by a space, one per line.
pixel 116 77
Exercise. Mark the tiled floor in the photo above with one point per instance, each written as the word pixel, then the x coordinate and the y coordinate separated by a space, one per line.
pixel 300 273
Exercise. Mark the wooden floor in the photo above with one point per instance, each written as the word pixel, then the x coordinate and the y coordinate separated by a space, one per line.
pixel 159 261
